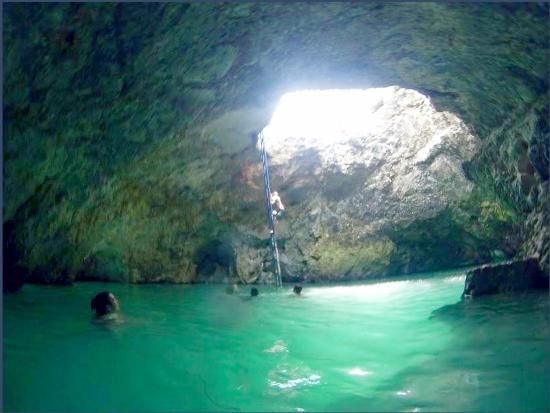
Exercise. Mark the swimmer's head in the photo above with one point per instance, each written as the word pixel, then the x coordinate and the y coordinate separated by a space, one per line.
pixel 254 292
pixel 297 289
pixel 104 303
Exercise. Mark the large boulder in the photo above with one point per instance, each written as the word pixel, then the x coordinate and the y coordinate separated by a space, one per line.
pixel 504 278
pixel 365 196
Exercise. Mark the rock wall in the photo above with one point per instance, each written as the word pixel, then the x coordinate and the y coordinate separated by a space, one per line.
pixel 513 165
pixel 127 133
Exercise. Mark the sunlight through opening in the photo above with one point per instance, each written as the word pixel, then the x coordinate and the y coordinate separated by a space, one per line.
pixel 328 115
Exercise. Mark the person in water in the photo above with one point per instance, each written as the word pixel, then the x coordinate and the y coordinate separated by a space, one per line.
pixel 277 205
pixel 104 303
pixel 231 289
pixel 297 289
pixel 254 292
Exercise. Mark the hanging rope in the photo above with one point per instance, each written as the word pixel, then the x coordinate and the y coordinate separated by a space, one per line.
pixel 269 210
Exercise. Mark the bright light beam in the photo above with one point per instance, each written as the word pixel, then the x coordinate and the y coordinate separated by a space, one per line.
pixel 327 116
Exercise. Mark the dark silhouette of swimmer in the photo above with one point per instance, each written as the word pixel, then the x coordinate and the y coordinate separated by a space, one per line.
pixel 254 292
pixel 297 289
pixel 104 303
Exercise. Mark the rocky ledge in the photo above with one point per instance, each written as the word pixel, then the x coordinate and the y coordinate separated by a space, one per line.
pixel 514 276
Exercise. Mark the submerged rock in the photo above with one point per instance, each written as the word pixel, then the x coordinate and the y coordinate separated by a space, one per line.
pixel 504 278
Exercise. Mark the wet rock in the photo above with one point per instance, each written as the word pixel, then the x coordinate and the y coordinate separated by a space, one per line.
pixel 505 278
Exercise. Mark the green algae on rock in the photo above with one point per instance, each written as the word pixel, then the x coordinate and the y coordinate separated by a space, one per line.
pixel 128 150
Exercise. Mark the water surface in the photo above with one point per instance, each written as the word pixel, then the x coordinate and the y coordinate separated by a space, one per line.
pixel 401 345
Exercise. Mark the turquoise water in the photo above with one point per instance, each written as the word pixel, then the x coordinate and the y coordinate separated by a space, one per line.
pixel 403 345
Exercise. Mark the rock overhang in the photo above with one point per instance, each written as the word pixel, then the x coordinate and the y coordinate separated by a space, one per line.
pixel 480 62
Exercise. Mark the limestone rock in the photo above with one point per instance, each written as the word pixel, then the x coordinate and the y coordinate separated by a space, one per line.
pixel 128 141
pixel 405 160
pixel 249 263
